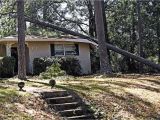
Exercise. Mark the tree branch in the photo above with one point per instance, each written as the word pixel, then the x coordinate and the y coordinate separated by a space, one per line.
pixel 76 22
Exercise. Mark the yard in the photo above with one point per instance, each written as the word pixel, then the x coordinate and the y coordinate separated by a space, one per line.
pixel 122 97
pixel 127 97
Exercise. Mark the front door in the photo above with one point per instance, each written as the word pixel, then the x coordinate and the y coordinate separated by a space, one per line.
pixel 14 53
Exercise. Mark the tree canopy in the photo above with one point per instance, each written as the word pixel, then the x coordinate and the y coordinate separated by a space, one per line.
pixel 123 26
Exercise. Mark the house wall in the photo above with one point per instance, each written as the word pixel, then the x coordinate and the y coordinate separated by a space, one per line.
pixel 2 50
pixel 42 49
pixel 36 50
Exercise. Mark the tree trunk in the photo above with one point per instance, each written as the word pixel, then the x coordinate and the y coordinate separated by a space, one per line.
pixel 158 36
pixel 109 46
pixel 104 60
pixel 140 46
pixel 158 32
pixel 21 40
pixel 92 31
pixel 106 29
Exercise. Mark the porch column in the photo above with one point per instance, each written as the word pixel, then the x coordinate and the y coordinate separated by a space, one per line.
pixel 8 49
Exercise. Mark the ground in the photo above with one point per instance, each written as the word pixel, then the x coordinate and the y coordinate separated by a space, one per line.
pixel 20 105
pixel 122 97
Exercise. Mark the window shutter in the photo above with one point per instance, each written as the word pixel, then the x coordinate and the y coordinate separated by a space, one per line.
pixel 77 49
pixel 52 50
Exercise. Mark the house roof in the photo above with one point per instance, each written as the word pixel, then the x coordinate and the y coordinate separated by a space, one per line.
pixel 31 38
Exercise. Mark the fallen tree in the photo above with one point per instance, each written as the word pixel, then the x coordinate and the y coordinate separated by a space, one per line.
pixel 109 46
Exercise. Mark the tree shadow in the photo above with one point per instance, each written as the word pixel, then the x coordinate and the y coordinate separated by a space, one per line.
pixel 127 101
pixel 151 80
pixel 133 85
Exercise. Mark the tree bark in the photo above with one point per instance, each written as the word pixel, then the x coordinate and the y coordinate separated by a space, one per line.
pixel 91 19
pixel 105 67
pixel 140 46
pixel 106 29
pixel 109 46
pixel 21 40
pixel 158 32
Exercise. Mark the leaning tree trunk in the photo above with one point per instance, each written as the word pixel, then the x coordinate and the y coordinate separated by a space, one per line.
pixel 109 46
pixel 21 40
pixel 104 60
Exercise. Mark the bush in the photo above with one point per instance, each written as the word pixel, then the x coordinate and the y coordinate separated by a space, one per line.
pixel 7 65
pixel 40 64
pixel 53 71
pixel 69 64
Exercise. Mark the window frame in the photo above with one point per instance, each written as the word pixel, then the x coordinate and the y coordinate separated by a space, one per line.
pixel 55 50
pixel 64 49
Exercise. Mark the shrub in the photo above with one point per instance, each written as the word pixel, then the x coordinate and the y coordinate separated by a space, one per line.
pixel 7 65
pixel 40 64
pixel 53 71
pixel 69 64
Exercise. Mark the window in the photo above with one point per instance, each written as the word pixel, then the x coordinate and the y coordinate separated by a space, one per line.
pixel 64 49
pixel 59 49
pixel 70 50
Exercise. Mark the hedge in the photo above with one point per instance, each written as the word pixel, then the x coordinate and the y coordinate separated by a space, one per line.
pixel 70 65
pixel 7 65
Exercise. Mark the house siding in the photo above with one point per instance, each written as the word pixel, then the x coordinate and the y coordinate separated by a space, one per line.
pixel 42 49
pixel 37 50
pixel 84 58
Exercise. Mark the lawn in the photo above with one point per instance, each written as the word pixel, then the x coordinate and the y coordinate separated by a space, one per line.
pixel 121 97
pixel 125 97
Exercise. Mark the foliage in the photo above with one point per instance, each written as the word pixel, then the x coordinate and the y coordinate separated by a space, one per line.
pixel 53 71
pixel 7 23
pixel 7 65
pixel 69 64
pixel 56 12
pixel 76 15
pixel 40 64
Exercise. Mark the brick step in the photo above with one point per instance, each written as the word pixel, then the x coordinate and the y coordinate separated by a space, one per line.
pixel 52 94
pixel 60 100
pixel 82 117
pixel 73 112
pixel 64 106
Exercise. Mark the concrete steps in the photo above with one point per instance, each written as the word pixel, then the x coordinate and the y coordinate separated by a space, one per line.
pixel 64 106
pixel 67 105
pixel 82 117
pixel 60 100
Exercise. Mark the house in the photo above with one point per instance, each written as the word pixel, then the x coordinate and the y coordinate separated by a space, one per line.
pixel 46 47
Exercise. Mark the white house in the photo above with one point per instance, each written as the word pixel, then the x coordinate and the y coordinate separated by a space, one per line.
pixel 46 47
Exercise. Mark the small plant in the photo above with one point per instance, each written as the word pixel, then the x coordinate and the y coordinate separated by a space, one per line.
pixel 53 71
